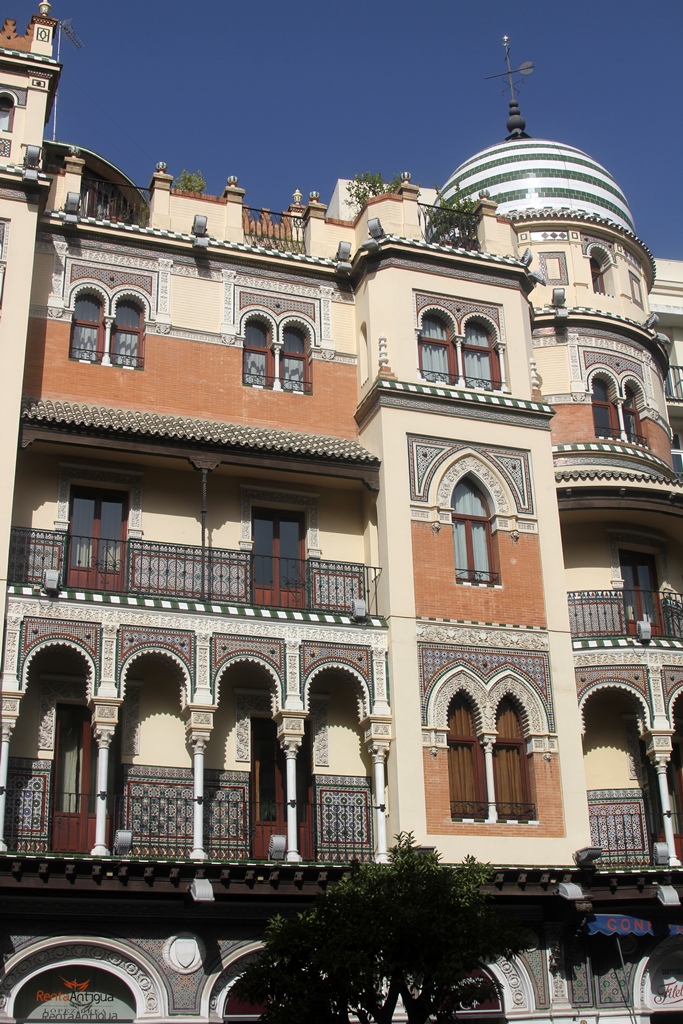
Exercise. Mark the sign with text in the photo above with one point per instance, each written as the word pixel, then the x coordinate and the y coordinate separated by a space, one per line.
pixel 75 993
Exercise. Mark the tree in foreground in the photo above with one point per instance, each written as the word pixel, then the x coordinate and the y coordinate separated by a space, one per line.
pixel 413 930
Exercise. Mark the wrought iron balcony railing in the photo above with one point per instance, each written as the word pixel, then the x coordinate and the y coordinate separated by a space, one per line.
pixel 674 384
pixel 479 810
pixel 596 613
pixel 162 824
pixel 188 571
pixel 261 380
pixel 515 811
pixel 441 377
pixel 106 200
pixel 615 434
pixel 477 576
pixel 445 226
pixel 282 231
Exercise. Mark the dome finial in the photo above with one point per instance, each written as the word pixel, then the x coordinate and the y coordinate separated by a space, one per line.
pixel 515 123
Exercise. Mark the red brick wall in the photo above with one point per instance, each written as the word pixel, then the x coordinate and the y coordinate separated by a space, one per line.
pixel 544 778
pixel 519 601
pixel 574 423
pixel 189 379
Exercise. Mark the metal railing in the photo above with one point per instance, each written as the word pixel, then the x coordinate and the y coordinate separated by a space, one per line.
pixel 476 576
pixel 106 200
pixel 441 377
pixel 478 809
pixel 92 355
pixel 674 384
pixel 594 613
pixel 515 811
pixel 282 231
pixel 615 434
pixel 161 821
pixel 188 571
pixel 445 226
pixel 262 380
pixel 623 836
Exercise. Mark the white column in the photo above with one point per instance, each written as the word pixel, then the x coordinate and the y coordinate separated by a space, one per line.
pixel 291 750
pixel 104 736
pixel 7 727
pixel 379 753
pixel 501 364
pixel 620 417
pixel 106 357
pixel 487 743
pixel 459 361
pixel 277 384
pixel 660 767
pixel 198 742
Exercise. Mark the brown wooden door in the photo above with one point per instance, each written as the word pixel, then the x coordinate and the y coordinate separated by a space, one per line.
pixel 269 790
pixel 97 533
pixel 641 598
pixel 73 818
pixel 279 569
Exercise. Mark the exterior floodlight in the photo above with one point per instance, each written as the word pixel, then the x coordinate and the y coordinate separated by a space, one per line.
pixel 201 890
pixel 123 842
pixel 201 238
pixel 664 340
pixel 370 245
pixel 558 297
pixel 660 854
pixel 51 581
pixel 375 228
pixel 570 891
pixel 359 610
pixel 343 252
pixel 537 277
pixel 667 895
pixel 71 207
pixel 277 847
pixel 644 631
pixel 31 163
pixel 587 856
pixel 526 257
pixel 651 322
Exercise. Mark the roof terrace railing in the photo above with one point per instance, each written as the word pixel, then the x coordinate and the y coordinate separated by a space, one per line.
pixel 284 232
pixel 445 226
pixel 106 200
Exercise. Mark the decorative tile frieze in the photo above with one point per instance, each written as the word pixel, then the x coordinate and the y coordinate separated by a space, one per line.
pixel 180 643
pixel 81 636
pixel 111 278
pixel 316 656
pixel 672 683
pixel 631 677
pixel 279 304
pixel 620 364
pixel 459 309
pixel 553 266
pixel 226 648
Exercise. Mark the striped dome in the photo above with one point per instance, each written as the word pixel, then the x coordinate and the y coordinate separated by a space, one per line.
pixel 534 174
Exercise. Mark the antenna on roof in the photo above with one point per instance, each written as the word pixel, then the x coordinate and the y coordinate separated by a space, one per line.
pixel 67 27
pixel 515 122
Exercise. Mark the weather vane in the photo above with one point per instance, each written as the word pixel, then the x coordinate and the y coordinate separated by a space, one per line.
pixel 516 123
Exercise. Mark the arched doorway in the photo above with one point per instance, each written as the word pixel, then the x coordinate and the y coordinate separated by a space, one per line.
pixel 74 992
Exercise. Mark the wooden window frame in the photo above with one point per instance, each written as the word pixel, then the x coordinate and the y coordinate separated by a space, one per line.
pixel 469 573
pixel 98 324
pixel 267 350
pixel 605 403
pixel 629 408
pixel 7 103
pixel 597 275
pixel 88 577
pixel 509 743
pixel 478 767
pixel 135 362
pixel 494 379
pixel 302 357
pixel 434 376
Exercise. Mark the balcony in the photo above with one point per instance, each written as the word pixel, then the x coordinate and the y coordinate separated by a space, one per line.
pixel 162 825
pixel 441 377
pixel 625 837
pixel 188 571
pixel 603 613
pixel 442 225
pixel 616 434
pixel 674 384
pixel 478 810
pixel 106 200
pixel 284 232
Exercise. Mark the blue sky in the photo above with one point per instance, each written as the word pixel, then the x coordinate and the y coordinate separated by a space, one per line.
pixel 296 93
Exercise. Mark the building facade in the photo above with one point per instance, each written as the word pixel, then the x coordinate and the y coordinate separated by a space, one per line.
pixel 328 525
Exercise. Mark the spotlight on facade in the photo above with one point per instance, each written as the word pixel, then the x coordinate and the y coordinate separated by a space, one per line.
pixel 343 257
pixel 660 854
pixel 31 163
pixel 359 609
pixel 570 891
pixel 644 631
pixel 375 229
pixel 667 895
pixel 201 890
pixel 559 297
pixel 123 842
pixel 277 847
pixel 201 237
pixel 51 581
pixel 71 207
pixel 651 322
pixel 587 856
pixel 526 257
pixel 537 277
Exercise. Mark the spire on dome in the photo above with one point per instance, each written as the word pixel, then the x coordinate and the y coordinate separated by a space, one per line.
pixel 515 122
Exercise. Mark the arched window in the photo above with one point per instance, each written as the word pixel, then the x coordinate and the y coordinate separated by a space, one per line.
pixel 87 336
pixel 480 360
pixel 126 338
pixel 629 410
pixel 437 357
pixel 293 360
pixel 466 773
pixel 510 773
pixel 472 535
pixel 605 416
pixel 597 276
pixel 257 366
pixel 6 113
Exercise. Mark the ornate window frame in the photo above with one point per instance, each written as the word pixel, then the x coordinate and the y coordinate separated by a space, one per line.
pixel 649 542
pixel 70 473
pixel 306 503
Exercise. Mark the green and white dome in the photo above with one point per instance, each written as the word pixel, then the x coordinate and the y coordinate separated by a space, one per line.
pixel 524 174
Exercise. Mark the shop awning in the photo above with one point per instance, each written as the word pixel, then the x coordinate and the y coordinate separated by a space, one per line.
pixel 619 924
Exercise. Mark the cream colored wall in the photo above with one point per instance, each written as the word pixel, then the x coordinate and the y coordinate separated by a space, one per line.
pixel 347 753
pixel 343 328
pixel 605 745
pixel 41 285
pixel 196 304
pixel 162 731
pixel 552 363
pixel 24 737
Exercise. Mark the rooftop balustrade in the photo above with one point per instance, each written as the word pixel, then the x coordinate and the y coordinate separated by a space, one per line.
pixel 445 226
pixel 106 200
pixel 188 571
pixel 284 232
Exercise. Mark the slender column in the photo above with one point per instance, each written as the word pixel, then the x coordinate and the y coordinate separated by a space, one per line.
pixel 459 361
pixel 501 363
pixel 106 355
pixel 379 752
pixel 487 744
pixel 277 383
pixel 104 735
pixel 198 742
pixel 620 417
pixel 7 727
pixel 291 747
pixel 660 762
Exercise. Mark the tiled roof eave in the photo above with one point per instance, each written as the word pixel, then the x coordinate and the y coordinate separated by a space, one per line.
pixel 216 436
